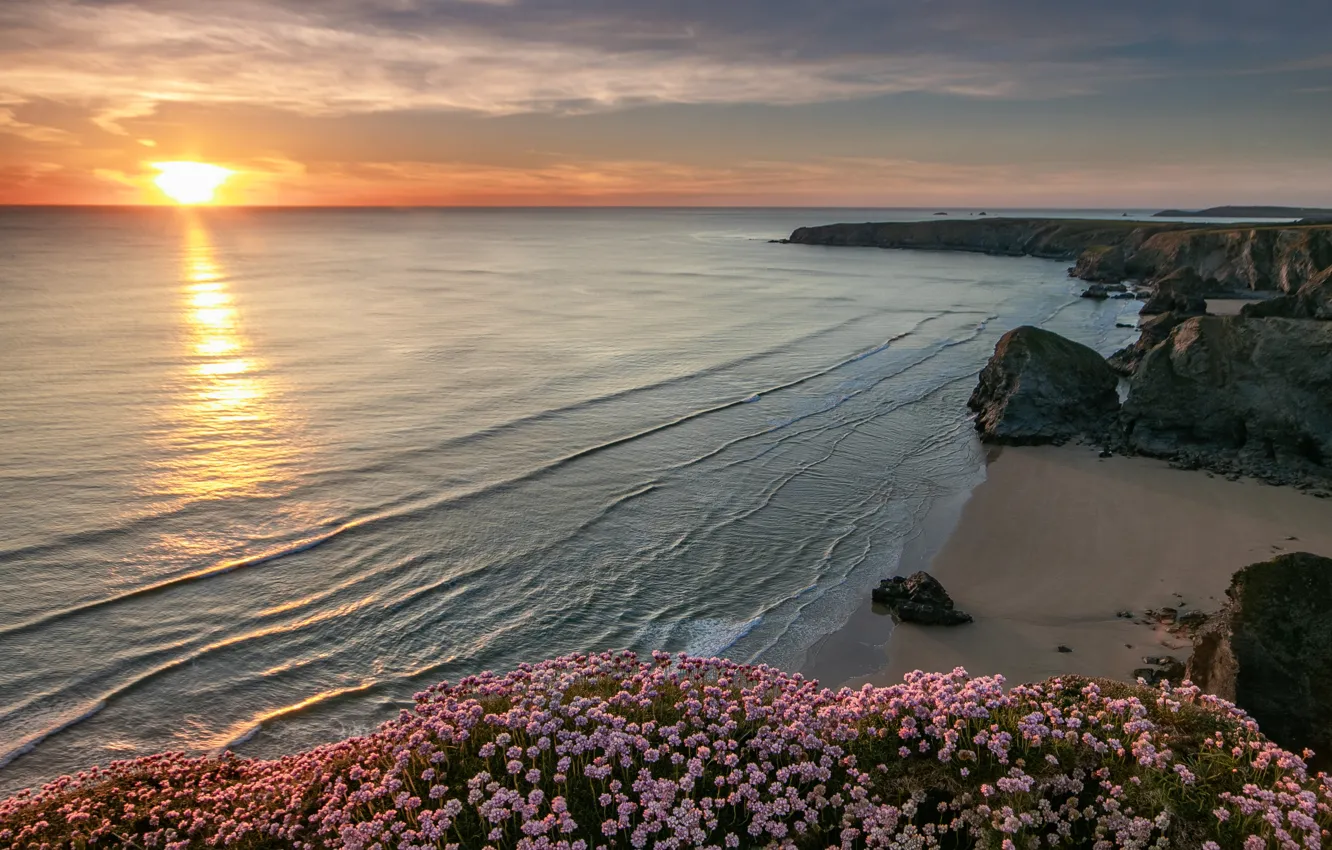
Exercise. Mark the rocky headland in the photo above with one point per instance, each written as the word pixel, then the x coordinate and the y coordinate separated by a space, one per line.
pixel 1222 258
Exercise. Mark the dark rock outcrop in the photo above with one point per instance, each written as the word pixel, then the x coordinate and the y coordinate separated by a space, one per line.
pixel 1168 301
pixel 1100 264
pixel 1042 388
pixel 1280 307
pixel 1243 395
pixel 919 598
pixel 1152 332
pixel 1270 650
pixel 1106 290
pixel 1181 292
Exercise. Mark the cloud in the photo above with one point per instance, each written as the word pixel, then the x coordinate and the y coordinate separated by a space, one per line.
pixel 510 56
pixel 10 124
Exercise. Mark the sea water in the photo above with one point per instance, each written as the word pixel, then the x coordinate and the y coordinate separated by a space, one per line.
pixel 264 474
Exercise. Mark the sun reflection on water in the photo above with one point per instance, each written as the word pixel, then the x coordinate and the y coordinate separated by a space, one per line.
pixel 230 434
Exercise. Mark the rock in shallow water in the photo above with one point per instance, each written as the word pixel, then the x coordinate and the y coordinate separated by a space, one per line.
pixel 1041 388
pixel 1270 650
pixel 919 598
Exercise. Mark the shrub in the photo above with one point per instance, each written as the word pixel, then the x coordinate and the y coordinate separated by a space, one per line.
pixel 607 751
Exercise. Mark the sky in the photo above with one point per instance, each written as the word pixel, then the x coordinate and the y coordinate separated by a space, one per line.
pixel 949 103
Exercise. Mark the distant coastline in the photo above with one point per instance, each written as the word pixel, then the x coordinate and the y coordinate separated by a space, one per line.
pixel 1248 212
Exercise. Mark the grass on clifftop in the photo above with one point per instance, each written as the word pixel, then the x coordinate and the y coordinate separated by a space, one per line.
pixel 610 751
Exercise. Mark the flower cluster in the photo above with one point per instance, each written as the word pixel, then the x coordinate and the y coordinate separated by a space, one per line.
pixel 606 751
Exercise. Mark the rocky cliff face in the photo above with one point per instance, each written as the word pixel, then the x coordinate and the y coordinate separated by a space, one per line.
pixel 1222 257
pixel 1256 393
pixel 1270 650
pixel 1313 300
pixel 1041 388
pixel 1181 291
pixel 1151 333
pixel 1253 258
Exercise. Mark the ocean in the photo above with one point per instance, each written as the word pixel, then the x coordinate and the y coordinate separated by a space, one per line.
pixel 264 474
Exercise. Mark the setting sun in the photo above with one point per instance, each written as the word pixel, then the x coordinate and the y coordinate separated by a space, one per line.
pixel 190 182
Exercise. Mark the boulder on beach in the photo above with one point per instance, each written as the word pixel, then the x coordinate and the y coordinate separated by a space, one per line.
pixel 1042 388
pixel 1269 650
pixel 1255 393
pixel 919 598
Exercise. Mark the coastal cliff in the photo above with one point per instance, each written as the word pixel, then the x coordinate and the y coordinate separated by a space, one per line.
pixel 1056 239
pixel 1225 258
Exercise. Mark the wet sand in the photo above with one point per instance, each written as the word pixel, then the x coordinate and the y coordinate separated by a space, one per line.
pixel 1053 544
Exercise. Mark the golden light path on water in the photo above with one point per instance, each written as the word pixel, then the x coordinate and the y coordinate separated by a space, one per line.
pixel 230 430
pixel 226 432
pixel 233 438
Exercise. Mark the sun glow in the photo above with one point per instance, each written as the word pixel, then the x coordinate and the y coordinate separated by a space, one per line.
pixel 190 182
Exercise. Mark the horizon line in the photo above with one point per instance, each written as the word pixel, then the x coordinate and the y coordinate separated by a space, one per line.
pixel 201 207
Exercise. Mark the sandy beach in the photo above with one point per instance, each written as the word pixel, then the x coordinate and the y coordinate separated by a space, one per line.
pixel 1054 544
pixel 1230 306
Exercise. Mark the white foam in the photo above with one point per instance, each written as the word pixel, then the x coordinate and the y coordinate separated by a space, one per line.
pixel 703 637
pixel 28 744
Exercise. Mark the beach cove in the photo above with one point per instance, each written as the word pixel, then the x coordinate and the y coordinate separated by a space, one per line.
pixel 1054 545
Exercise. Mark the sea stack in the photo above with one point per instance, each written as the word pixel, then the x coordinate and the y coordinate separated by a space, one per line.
pixel 1042 388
